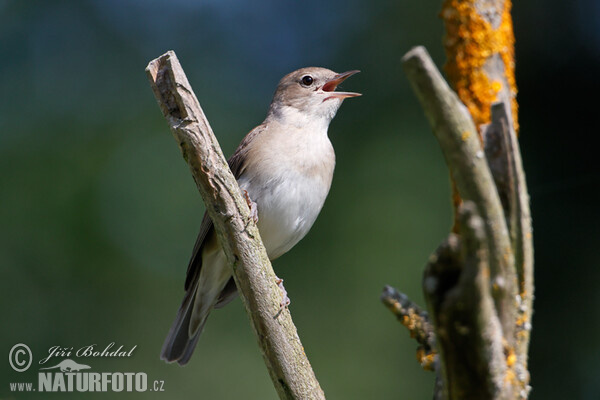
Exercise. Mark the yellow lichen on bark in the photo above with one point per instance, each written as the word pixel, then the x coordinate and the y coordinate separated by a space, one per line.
pixel 426 359
pixel 470 41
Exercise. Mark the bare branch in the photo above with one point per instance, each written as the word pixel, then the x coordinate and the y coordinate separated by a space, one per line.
pixel 458 138
pixel 282 350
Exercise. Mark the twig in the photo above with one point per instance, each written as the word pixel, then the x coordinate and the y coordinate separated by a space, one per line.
pixel 416 321
pixel 462 150
pixel 283 353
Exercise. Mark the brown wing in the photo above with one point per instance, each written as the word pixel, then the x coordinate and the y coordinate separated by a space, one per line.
pixel 237 165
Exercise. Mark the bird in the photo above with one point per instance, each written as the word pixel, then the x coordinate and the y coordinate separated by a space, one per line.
pixel 284 167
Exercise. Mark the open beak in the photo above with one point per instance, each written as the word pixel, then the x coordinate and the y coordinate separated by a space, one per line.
pixel 333 83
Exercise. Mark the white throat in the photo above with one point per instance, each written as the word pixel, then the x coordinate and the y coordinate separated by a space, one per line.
pixel 318 117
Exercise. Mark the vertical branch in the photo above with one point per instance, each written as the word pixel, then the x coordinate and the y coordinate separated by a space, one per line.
pixel 282 350
pixel 468 332
pixel 479 282
pixel 504 158
pixel 481 300
pixel 479 46
pixel 457 136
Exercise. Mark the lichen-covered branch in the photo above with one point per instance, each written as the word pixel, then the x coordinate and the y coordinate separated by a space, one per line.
pixel 416 320
pixel 504 157
pixel 479 43
pixel 480 64
pixel 479 282
pixel 459 141
pixel 468 333
pixel 282 350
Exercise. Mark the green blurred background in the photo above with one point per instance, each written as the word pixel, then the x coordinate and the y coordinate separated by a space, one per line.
pixel 99 213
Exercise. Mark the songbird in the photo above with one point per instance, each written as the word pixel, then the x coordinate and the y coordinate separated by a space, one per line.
pixel 285 167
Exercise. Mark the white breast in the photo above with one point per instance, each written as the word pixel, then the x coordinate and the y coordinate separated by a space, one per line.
pixel 289 182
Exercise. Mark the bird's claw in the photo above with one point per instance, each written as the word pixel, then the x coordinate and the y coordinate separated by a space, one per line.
pixel 285 300
pixel 253 207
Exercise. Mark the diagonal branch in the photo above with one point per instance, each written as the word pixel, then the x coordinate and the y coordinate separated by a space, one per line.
pixel 282 350
pixel 416 320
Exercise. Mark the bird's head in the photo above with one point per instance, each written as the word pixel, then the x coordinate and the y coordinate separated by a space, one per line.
pixel 310 93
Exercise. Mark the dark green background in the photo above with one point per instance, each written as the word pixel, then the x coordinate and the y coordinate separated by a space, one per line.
pixel 99 213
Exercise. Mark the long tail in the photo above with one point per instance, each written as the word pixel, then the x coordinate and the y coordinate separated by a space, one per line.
pixel 199 300
pixel 179 344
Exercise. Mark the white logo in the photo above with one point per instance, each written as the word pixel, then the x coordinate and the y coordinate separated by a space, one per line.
pixel 70 376
pixel 20 357
pixel 69 366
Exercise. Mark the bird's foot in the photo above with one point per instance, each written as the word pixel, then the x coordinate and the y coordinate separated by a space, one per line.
pixel 252 206
pixel 285 300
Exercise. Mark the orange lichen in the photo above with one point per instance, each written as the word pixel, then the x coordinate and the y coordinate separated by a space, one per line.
pixel 510 377
pixel 511 361
pixel 426 359
pixel 511 358
pixel 522 322
pixel 411 322
pixel 470 41
pixel 496 86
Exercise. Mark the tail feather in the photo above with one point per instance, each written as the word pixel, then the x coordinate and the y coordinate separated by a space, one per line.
pixel 179 345
pixel 199 300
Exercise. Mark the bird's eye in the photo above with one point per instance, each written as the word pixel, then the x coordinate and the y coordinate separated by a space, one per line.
pixel 307 80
